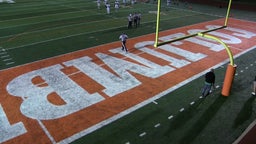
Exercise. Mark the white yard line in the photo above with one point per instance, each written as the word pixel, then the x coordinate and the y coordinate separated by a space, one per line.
pixel 46 132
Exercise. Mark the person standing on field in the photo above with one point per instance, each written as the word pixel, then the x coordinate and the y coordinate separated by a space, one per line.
pixel 98 3
pixel 124 2
pixel 135 20
pixel 130 19
pixel 116 5
pixel 168 3
pixel 123 37
pixel 105 2
pixel 208 83
pixel 139 18
pixel 108 8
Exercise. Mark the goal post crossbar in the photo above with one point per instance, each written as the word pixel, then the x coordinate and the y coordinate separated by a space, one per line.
pixel 157 44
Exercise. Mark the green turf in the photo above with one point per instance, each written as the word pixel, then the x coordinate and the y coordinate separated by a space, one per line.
pixel 53 28
pixel 211 120
pixel 32 30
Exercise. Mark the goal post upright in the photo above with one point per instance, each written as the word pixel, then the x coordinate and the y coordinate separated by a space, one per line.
pixel 157 22
pixel 231 69
pixel 227 15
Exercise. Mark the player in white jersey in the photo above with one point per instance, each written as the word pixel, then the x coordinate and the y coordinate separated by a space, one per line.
pixel 124 2
pixel 132 2
pixel 130 19
pixel 116 5
pixel 123 37
pixel 108 7
pixel 105 2
pixel 98 4
pixel 168 3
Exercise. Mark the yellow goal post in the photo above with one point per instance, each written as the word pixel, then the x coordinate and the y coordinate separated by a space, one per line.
pixel 157 44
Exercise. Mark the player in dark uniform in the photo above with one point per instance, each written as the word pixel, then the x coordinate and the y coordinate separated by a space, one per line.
pixel 135 20
pixel 209 83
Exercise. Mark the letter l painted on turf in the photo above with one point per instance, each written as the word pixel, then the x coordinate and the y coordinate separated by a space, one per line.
pixel 8 131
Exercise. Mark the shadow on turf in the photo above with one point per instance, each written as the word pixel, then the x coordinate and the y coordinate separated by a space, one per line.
pixel 245 113
pixel 193 132
pixel 182 118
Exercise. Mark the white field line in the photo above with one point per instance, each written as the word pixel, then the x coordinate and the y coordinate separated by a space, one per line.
pixel 41 16
pixel 253 47
pixel 24 7
pixel 68 6
pixel 53 141
pixel 80 23
pixel 154 102
pixel 73 25
pixel 46 132
pixel 170 117
pixel 46 21
pixel 128 111
pixel 9 63
pixel 44 128
pixel 28 6
pixel 198 12
pixel 3 53
pixel 55 28
pixel 182 109
pixel 59 38
pixel 157 125
pixel 57 14
pixel 81 33
pixel 142 134
pixel 248 27
pixel 253 28
pixel 5 56
pixel 240 49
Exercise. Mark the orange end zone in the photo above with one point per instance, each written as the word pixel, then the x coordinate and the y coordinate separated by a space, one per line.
pixel 63 98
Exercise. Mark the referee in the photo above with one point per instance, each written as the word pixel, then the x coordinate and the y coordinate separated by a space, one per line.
pixel 123 37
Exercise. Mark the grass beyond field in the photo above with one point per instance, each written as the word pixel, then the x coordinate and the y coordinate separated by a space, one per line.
pixel 34 30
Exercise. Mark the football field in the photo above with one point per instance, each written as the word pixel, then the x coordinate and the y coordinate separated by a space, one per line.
pixel 63 84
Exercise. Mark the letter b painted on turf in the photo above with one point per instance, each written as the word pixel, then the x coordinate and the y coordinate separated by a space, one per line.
pixel 35 102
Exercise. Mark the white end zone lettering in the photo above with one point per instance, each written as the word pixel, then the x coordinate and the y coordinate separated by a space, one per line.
pixel 8 131
pixel 35 103
pixel 118 74
pixel 178 63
